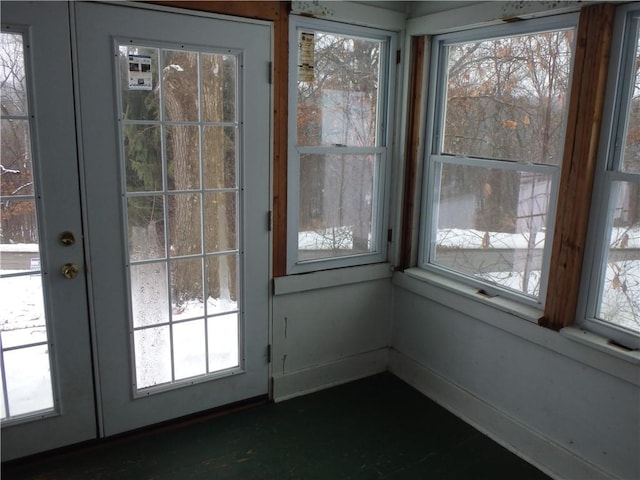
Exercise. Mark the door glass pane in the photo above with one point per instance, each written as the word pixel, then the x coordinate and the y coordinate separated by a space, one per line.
pixel 190 357
pixel 506 97
pixel 337 193
pixel 24 348
pixel 145 221
pixel 149 294
pixel 185 217
pixel 153 356
pixel 29 379
pixel 180 86
pixel 219 82
pixel 222 284
pixel 17 172
pixel 186 289
pixel 620 299
pixel 143 153
pixel 338 102
pixel 139 100
pixel 222 335
pixel 188 158
pixel 13 93
pixel 219 145
pixel 220 219
pixel 183 157
pixel 491 225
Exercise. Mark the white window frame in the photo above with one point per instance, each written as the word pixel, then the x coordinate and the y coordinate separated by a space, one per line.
pixel 433 159
pixel 382 149
pixel 612 137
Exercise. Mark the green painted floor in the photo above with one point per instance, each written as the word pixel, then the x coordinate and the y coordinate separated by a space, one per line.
pixel 376 428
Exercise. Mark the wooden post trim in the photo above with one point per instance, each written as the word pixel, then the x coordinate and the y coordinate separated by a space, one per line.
pixel 414 125
pixel 280 139
pixel 586 105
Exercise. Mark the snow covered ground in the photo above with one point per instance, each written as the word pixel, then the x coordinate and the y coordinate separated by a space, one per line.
pixel 22 323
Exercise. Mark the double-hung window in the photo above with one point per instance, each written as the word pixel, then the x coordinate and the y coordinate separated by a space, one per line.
pixel 496 121
pixel 612 284
pixel 339 129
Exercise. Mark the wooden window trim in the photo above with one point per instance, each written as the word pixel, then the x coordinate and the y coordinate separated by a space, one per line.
pixel 586 105
pixel 414 130
pixel 278 13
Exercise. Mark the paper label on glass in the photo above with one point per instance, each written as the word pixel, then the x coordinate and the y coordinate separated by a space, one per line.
pixel 305 57
pixel 140 77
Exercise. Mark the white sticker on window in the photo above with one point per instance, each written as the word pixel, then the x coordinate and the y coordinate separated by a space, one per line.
pixel 305 57
pixel 140 77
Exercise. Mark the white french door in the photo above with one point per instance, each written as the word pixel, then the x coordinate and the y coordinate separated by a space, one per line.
pixel 169 209
pixel 175 118
pixel 45 361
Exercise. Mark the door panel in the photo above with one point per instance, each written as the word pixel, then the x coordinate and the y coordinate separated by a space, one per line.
pixel 175 117
pixel 45 365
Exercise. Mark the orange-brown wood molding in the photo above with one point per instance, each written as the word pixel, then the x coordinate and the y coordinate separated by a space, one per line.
pixel 586 105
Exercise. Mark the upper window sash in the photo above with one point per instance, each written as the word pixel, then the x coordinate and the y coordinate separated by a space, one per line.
pixel 629 75
pixel 441 46
pixel 445 154
pixel 385 78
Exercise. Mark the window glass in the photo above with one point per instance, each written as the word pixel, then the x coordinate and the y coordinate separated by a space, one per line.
pixel 336 209
pixel 631 159
pixel 26 378
pixel 338 99
pixel 492 188
pixel 491 225
pixel 620 299
pixel 506 97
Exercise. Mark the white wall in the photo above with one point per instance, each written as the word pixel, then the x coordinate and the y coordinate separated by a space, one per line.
pixel 330 327
pixel 569 408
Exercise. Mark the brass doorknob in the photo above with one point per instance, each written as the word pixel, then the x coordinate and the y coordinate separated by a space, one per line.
pixel 69 270
pixel 66 238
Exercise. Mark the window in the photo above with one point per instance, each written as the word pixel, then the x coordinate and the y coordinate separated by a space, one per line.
pixel 339 136
pixel 180 136
pixel 495 144
pixel 614 306
pixel 25 363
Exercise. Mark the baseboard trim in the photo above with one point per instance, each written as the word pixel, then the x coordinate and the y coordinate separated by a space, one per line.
pixel 542 452
pixel 355 367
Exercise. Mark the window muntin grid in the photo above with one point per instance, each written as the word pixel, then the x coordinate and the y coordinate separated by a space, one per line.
pixel 180 149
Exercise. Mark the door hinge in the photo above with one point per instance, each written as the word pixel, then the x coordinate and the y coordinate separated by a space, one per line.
pixel 389 235
pixel 269 220
pixel 269 353
pixel 270 73
pixel 398 56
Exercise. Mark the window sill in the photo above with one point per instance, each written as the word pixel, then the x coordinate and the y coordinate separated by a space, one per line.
pixel 571 342
pixel 331 278
pixel 512 307
pixel 601 343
